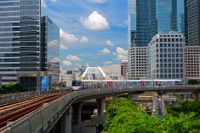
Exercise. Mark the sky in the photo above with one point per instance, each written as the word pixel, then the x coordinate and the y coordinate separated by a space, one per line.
pixel 93 32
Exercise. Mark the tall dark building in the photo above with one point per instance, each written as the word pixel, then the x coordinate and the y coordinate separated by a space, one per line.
pixel 142 22
pixel 19 38
pixel 192 22
pixel 50 49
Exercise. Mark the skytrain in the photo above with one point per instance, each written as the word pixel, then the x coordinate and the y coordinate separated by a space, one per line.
pixel 119 84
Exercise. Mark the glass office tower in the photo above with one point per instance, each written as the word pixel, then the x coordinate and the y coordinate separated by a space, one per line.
pixel 192 22
pixel 169 14
pixel 142 22
pixel 19 38
pixel 50 49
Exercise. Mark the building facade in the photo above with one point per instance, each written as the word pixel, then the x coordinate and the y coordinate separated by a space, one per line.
pixel 147 18
pixel 166 56
pixel 192 22
pixel 124 68
pixel 137 64
pixel 142 22
pixel 192 62
pixel 142 26
pixel 166 14
pixel 50 47
pixel 19 38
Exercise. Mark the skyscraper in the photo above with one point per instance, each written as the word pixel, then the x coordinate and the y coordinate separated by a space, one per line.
pixel 142 22
pixel 50 47
pixel 192 22
pixel 19 38
pixel 166 15
pixel 142 27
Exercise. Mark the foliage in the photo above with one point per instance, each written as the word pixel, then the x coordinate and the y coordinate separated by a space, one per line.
pixel 125 116
pixel 11 88
pixel 186 107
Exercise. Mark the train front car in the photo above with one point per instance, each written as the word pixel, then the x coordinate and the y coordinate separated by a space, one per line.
pixel 76 85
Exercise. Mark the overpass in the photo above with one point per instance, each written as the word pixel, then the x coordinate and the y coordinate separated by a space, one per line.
pixel 64 113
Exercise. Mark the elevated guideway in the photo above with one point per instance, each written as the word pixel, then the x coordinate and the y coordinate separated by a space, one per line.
pixel 45 118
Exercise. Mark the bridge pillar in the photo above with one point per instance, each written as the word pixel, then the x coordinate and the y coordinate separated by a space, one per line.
pixel 66 124
pixel 101 106
pixel 99 119
pixel 155 105
pixel 158 106
pixel 77 113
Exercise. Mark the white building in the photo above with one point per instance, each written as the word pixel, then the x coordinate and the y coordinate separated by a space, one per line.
pixel 137 63
pixel 166 56
pixel 192 62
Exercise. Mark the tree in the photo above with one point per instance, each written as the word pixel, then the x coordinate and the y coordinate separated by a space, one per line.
pixel 125 116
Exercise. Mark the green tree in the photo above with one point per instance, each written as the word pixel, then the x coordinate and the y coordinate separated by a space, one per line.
pixel 125 116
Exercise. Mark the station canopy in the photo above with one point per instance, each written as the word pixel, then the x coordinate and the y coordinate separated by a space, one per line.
pixel 94 73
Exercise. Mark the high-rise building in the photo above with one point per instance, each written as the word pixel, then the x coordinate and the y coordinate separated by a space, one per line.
pixel 137 64
pixel 19 38
pixel 142 22
pixel 166 56
pixel 50 47
pixel 192 63
pixel 192 22
pixel 142 26
pixel 166 15
pixel 147 18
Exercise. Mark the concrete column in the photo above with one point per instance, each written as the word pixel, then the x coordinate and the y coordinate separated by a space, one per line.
pixel 163 109
pixel 155 105
pixel 101 107
pixel 77 113
pixel 66 124
pixel 38 84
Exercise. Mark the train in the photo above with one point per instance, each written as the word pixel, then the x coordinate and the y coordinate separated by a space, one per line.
pixel 119 84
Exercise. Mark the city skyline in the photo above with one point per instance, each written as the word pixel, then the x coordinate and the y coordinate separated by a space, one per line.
pixel 93 32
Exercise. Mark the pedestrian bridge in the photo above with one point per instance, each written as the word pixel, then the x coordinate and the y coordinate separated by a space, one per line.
pixel 45 118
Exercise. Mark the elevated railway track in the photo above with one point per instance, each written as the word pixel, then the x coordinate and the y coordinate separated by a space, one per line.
pixel 11 111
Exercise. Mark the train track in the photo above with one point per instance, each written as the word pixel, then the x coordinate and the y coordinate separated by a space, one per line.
pixel 11 112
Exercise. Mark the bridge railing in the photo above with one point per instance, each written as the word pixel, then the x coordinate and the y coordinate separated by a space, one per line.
pixel 44 118
pixel 6 98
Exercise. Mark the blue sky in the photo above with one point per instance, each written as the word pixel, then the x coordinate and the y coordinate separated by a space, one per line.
pixel 93 32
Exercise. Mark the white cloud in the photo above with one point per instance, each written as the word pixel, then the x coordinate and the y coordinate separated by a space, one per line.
pixel 62 46
pixel 124 24
pixel 106 63
pixel 121 53
pixel 43 3
pixel 112 69
pixel 95 22
pixel 53 43
pixel 109 43
pixel 98 1
pixel 73 58
pixel 70 38
pixel 70 59
pixel 55 59
pixel 83 39
pixel 104 51
pixel 67 63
